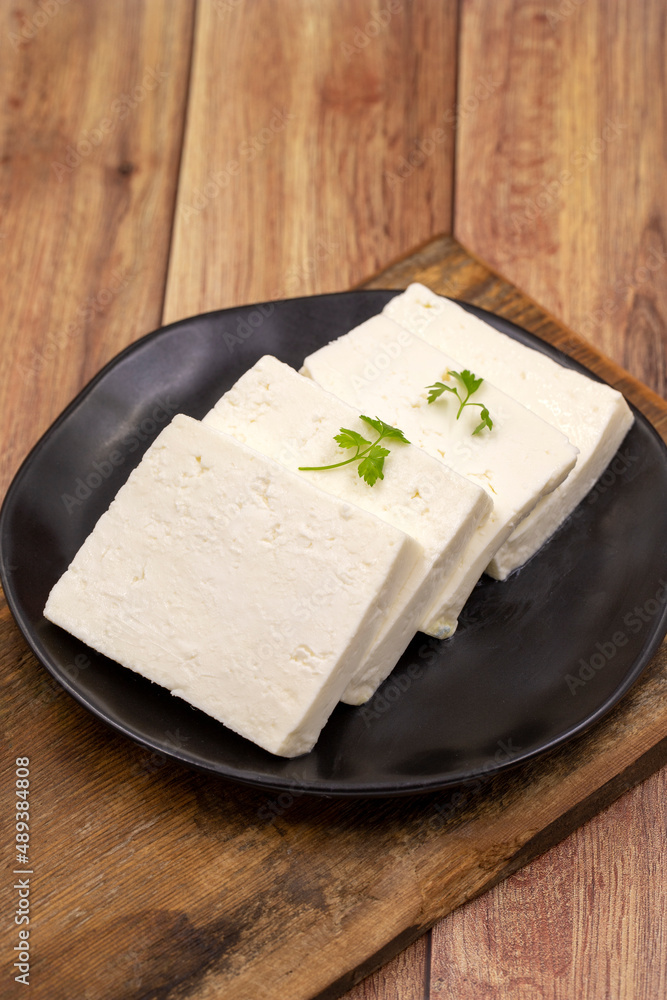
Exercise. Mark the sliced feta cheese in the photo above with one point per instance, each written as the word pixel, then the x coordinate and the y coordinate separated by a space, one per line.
pixel 275 410
pixel 382 367
pixel 594 416
pixel 236 584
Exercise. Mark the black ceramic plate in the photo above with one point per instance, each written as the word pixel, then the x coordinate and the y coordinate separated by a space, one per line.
pixel 535 660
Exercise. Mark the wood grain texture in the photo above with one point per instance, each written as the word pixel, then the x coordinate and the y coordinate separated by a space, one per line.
pixel 561 173
pixel 560 186
pixel 91 124
pixel 295 171
pixel 406 977
pixel 584 920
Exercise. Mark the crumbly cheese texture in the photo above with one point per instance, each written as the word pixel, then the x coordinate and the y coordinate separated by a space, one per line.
pixel 594 416
pixel 383 367
pixel 292 419
pixel 239 586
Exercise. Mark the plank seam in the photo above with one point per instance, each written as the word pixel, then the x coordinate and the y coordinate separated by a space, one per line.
pixel 455 141
pixel 184 126
pixel 427 964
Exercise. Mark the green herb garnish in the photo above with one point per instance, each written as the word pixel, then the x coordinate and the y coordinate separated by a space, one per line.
pixel 471 384
pixel 370 454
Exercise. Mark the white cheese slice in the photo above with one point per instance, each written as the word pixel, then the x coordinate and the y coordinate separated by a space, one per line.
pixel 594 416
pixel 236 584
pixel 380 366
pixel 275 410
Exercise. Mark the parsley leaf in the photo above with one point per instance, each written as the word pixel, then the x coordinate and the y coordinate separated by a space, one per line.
pixel 370 468
pixel 437 390
pixel 471 384
pixel 385 430
pixel 486 421
pixel 350 439
pixel 371 456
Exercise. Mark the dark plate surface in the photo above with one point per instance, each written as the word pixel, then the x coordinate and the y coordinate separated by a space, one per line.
pixel 535 660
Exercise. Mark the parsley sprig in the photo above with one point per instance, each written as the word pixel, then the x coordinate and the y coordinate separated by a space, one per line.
pixel 369 454
pixel 471 384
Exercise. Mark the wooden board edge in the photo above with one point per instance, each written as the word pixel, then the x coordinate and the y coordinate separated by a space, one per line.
pixel 634 774
pixel 641 769
pixel 353 977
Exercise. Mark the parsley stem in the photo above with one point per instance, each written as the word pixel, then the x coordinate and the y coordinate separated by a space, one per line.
pixel 481 406
pixel 337 465
pixel 462 402
pixel 321 468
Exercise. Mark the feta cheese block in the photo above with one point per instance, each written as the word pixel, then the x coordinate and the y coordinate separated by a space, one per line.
pixel 380 366
pixel 594 416
pixel 275 410
pixel 235 583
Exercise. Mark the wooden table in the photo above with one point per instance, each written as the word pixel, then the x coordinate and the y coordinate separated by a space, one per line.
pixel 160 159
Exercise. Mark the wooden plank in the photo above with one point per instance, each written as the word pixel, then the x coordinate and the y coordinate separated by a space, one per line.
pixel 533 935
pixel 405 977
pixel 561 172
pixel 560 187
pixel 90 152
pixel 299 130
pixel 91 125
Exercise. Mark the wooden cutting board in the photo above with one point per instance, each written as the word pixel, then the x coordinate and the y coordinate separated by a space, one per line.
pixel 151 881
